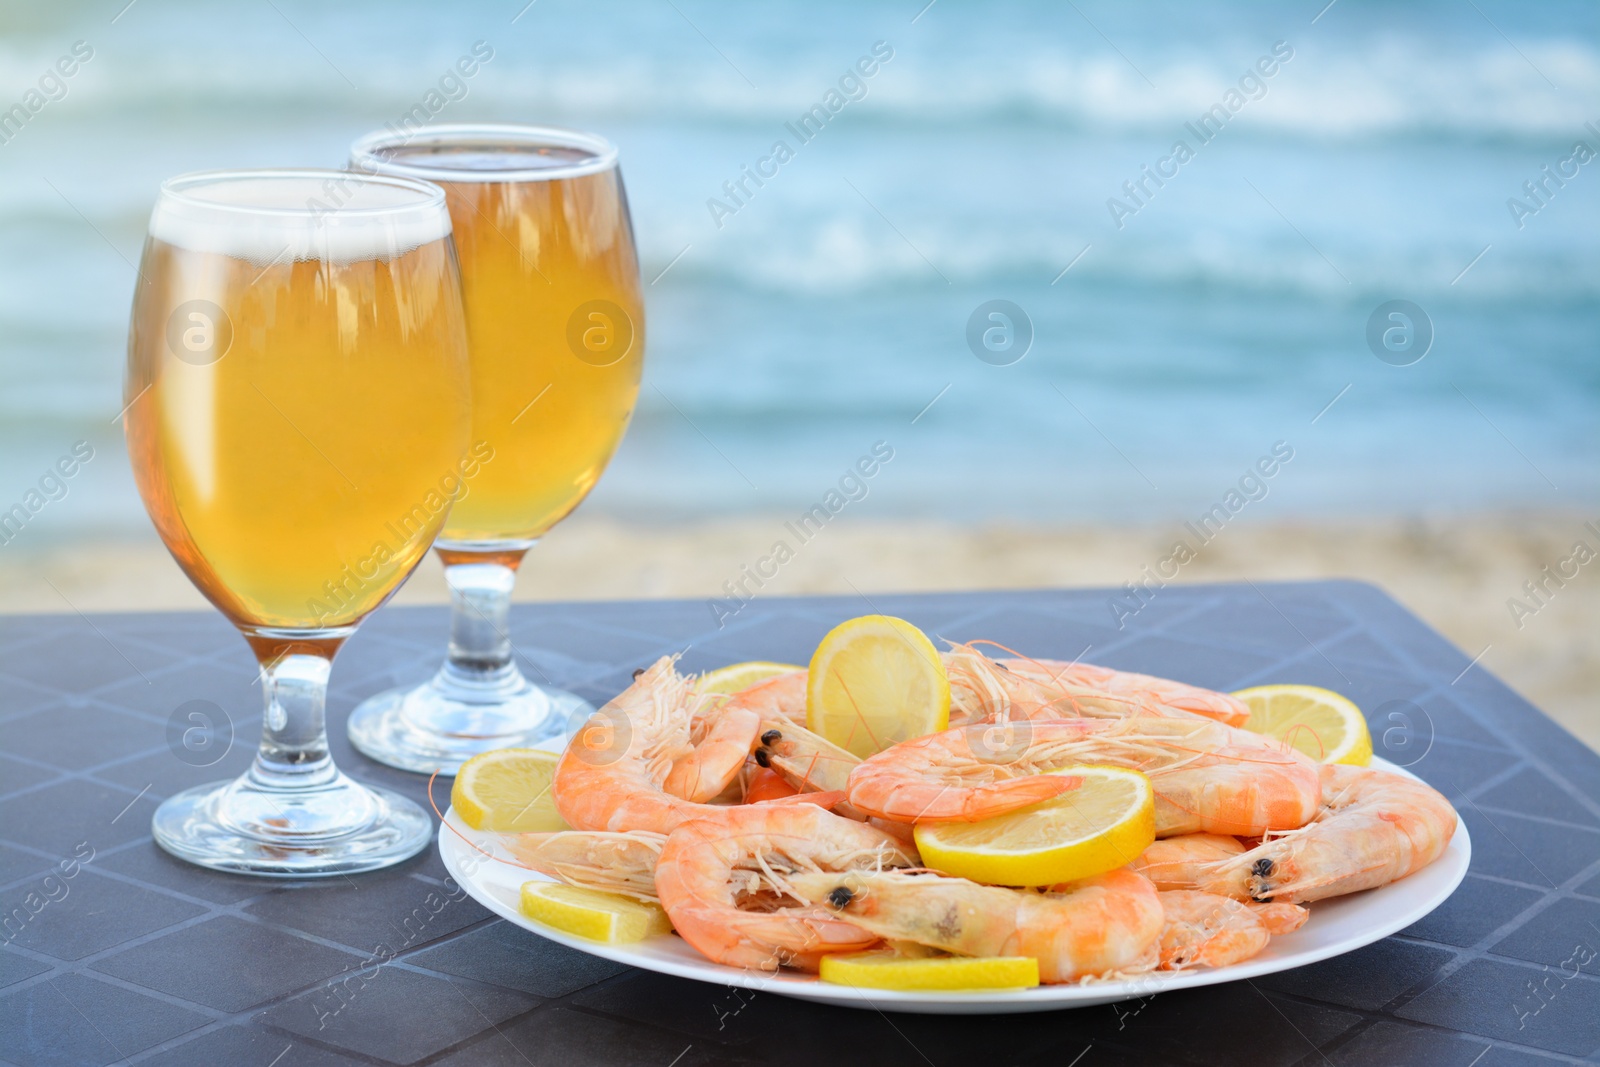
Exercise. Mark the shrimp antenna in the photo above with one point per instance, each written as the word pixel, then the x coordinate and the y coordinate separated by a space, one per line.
pixel 1026 659
pixel 470 843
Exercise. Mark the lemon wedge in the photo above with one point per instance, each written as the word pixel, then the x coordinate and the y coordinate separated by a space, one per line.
pixel 737 676
pixel 508 790
pixel 606 917
pixel 875 681
pixel 884 970
pixel 1103 824
pixel 1319 722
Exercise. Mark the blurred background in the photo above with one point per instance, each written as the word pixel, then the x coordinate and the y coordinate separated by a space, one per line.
pixel 1178 334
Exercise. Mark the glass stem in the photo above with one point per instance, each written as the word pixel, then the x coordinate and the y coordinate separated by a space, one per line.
pixel 480 660
pixel 294 735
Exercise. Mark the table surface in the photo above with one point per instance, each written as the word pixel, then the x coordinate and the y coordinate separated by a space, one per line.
pixel 112 951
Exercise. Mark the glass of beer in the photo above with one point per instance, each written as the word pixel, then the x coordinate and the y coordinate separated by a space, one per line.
pixel 555 332
pixel 297 418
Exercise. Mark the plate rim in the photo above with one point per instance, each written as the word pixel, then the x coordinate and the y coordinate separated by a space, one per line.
pixel 454 846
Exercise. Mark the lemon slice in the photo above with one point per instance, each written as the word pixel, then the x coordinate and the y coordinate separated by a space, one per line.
pixel 739 676
pixel 883 970
pixel 1319 722
pixel 508 790
pixel 876 681
pixel 1103 824
pixel 607 917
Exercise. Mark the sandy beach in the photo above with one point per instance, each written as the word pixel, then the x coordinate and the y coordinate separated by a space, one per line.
pixel 1458 573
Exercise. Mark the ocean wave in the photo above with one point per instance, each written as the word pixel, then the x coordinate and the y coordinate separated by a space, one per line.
pixel 1385 83
pixel 859 252
pixel 831 308
pixel 843 247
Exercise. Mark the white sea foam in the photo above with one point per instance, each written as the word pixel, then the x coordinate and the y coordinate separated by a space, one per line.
pixel 1370 84
pixel 330 215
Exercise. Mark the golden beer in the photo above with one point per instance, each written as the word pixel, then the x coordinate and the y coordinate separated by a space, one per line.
pixel 555 338
pixel 555 322
pixel 296 414
pixel 298 430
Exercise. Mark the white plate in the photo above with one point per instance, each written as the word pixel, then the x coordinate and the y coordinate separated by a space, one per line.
pixel 1336 926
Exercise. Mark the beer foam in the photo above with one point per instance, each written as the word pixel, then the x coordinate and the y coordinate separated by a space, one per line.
pixel 266 217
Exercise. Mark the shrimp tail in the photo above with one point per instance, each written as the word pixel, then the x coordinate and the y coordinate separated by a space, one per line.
pixel 1205 930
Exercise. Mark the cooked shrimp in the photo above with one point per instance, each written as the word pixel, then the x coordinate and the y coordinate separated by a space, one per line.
pixel 1108 924
pixel 1206 776
pixel 1280 918
pixel 615 773
pixel 1237 783
pixel 722 732
pixel 766 784
pixel 982 689
pixel 806 760
pixel 1223 707
pixel 1180 862
pixel 1206 930
pixel 1374 828
pixel 986 690
pixel 809 763
pixel 782 696
pixel 615 862
pixel 724 882
pixel 961 775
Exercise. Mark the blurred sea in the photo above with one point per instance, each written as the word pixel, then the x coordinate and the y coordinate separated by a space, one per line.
pixel 830 309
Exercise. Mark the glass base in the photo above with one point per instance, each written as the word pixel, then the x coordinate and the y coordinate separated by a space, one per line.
pixel 340 827
pixel 438 727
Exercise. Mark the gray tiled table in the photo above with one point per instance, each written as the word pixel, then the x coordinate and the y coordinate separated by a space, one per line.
pixel 135 956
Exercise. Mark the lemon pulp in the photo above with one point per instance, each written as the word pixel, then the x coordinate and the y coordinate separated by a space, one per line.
pixel 1103 824
pixel 875 681
pixel 1322 724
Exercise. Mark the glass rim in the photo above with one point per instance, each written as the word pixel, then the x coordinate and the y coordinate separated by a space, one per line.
pixel 176 188
pixel 363 151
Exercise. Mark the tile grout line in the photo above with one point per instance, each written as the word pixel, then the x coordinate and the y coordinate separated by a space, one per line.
pixel 1489 725
pixel 1372 1017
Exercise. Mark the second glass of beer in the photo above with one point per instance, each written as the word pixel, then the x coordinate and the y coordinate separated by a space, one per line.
pixel 555 329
